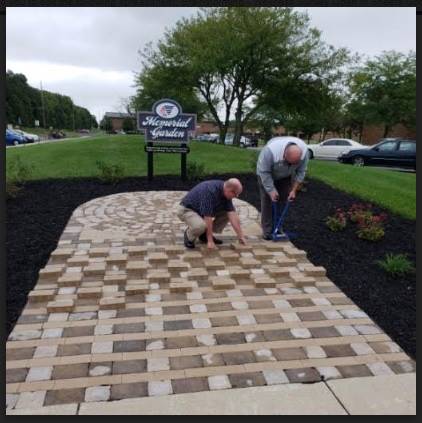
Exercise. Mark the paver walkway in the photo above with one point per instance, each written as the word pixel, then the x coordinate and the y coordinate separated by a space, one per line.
pixel 122 310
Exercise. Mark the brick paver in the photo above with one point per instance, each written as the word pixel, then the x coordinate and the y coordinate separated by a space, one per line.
pixel 123 310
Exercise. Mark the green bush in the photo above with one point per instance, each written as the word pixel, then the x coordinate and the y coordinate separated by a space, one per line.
pixel 337 222
pixel 110 173
pixel 195 171
pixel 371 227
pixel 396 265
pixel 17 172
pixel 253 160
pixel 370 233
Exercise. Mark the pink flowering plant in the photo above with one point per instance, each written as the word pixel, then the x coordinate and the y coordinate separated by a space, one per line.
pixel 338 221
pixel 359 211
pixel 371 227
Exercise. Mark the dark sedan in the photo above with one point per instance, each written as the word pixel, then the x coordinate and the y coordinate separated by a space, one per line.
pixel 389 152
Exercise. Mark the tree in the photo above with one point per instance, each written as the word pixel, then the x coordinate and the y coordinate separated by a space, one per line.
pixel 24 106
pixel 128 124
pixel 157 81
pixel 106 124
pixel 383 91
pixel 235 58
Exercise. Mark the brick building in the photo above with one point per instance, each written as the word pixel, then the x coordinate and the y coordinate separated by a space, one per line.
pixel 118 118
pixel 370 135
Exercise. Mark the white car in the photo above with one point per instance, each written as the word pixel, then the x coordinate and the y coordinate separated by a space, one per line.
pixel 332 148
pixel 244 141
pixel 28 137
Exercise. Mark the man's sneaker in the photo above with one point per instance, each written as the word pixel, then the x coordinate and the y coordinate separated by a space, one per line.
pixel 187 242
pixel 267 237
pixel 204 240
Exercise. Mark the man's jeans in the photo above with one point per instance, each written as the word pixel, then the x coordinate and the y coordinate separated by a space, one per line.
pixel 283 186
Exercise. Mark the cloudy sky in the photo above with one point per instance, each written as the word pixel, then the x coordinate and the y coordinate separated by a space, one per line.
pixel 91 54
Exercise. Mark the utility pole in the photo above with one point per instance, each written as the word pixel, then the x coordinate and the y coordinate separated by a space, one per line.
pixel 42 105
pixel 73 116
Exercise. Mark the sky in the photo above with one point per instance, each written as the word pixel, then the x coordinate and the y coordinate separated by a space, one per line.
pixel 91 54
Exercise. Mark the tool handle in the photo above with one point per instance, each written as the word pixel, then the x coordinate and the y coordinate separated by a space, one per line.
pixel 282 217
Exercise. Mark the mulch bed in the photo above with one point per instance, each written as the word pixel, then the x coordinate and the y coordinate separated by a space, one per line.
pixel 38 216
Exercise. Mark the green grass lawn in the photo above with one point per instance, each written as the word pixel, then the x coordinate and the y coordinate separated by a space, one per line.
pixel 77 158
pixel 395 191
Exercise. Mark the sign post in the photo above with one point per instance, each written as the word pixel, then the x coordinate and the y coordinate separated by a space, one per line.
pixel 166 131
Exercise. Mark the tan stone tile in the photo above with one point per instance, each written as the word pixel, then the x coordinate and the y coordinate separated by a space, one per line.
pixel 12 388
pixel 89 292
pixel 41 295
pixel 36 386
pixel 218 370
pixel 60 306
pixel 112 303
pixel 115 279
pixel 87 382
pixel 223 283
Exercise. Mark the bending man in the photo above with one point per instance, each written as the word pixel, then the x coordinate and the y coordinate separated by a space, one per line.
pixel 207 208
pixel 282 160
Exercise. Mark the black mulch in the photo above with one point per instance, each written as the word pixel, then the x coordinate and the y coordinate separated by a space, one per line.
pixel 38 216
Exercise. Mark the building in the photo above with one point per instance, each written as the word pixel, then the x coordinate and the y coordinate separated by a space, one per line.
pixel 118 118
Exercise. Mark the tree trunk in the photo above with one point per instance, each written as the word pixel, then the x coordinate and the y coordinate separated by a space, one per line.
pixel 267 132
pixel 238 125
pixel 386 130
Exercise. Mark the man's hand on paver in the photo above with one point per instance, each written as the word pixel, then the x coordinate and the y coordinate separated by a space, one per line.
pixel 211 245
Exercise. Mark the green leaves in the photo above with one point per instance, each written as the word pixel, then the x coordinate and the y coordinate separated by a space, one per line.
pixel 383 90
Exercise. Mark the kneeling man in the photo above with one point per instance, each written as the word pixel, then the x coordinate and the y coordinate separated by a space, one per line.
pixel 207 208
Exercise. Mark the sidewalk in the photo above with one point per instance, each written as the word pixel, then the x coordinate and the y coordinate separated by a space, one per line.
pixel 123 312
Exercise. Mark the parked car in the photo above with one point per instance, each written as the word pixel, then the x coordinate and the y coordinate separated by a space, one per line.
pixel 202 137
pixel 28 137
pixel 56 135
pixel 207 137
pixel 332 148
pixel 244 141
pixel 14 138
pixel 388 152
pixel 213 138
pixel 84 131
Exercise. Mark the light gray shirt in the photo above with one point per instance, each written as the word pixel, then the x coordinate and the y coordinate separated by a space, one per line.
pixel 271 165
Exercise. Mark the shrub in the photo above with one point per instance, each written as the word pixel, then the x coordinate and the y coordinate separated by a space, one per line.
pixel 396 265
pixel 337 222
pixel 359 211
pixel 371 227
pixel 195 171
pixel 110 173
pixel 17 173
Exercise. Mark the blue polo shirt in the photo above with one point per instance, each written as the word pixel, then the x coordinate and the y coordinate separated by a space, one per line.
pixel 207 199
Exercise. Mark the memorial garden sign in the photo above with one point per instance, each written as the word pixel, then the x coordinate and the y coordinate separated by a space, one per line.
pixel 166 131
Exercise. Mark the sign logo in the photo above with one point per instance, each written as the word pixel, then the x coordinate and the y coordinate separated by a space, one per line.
pixel 166 122
pixel 167 110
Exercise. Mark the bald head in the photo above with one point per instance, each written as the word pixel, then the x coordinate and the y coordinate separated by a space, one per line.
pixel 232 188
pixel 292 154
